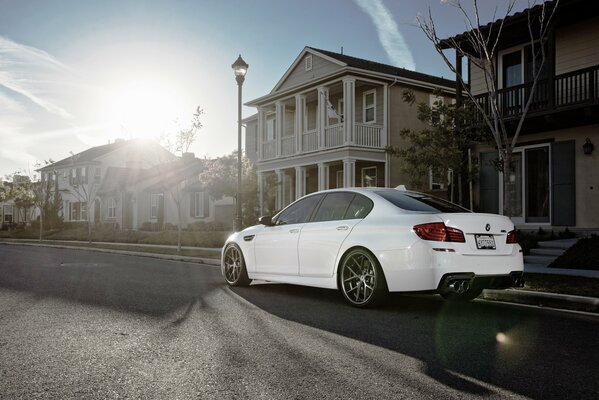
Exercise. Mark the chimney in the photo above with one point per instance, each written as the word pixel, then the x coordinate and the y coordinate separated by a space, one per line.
pixel 187 157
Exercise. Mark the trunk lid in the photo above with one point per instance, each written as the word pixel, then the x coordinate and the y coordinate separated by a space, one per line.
pixel 481 232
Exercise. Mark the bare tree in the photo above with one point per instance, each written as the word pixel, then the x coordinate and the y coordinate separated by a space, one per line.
pixel 85 188
pixel 480 45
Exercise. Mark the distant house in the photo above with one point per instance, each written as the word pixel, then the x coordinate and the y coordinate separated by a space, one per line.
pixel 135 184
pixel 11 212
pixel 77 178
pixel 133 198
pixel 327 121
pixel 555 173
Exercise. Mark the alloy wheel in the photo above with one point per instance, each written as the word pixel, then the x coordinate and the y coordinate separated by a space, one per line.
pixel 232 265
pixel 359 277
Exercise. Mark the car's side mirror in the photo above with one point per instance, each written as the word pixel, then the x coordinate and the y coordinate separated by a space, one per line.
pixel 266 220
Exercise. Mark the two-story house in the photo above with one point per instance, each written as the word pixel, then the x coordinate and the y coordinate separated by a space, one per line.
pixel 555 173
pixel 167 193
pixel 78 178
pixel 327 121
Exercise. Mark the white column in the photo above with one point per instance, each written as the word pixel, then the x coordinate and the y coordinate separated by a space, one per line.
pixel 261 192
pixel 279 200
pixel 349 108
pixel 261 131
pixel 300 109
pixel 280 124
pixel 349 173
pixel 300 182
pixel 323 176
pixel 321 114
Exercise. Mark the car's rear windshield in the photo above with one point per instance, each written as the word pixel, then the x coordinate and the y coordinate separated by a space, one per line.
pixel 420 202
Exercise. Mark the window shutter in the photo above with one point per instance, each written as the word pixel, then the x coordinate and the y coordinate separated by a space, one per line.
pixel 563 185
pixel 192 204
pixel 206 205
pixel 489 184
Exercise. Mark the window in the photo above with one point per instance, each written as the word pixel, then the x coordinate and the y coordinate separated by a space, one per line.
pixel 369 106
pixel 155 203
pixel 359 207
pixel 369 177
pixel 64 175
pixel 98 175
pixel 435 180
pixel 270 129
pixel 419 202
pixel 308 62
pixel 340 109
pixel 199 205
pixel 512 69
pixel 298 212
pixel 74 211
pixel 8 214
pixel 333 207
pixel 435 102
pixel 339 179
pixel 83 175
pixel 83 211
pixel 111 207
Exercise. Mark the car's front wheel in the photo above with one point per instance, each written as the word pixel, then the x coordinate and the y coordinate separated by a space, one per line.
pixel 234 268
pixel 361 279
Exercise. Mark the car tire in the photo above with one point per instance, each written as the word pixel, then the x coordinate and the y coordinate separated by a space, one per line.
pixel 361 279
pixel 468 295
pixel 234 269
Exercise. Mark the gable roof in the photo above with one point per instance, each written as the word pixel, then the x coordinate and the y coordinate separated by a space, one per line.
pixel 344 60
pixel 386 69
pixel 350 64
pixel 94 153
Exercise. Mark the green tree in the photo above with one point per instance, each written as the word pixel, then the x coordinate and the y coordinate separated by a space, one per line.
pixel 442 145
pixel 220 180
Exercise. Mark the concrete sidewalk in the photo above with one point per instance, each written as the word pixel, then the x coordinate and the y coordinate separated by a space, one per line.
pixel 518 296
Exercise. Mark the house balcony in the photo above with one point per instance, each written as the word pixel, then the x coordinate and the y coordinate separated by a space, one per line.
pixel 566 100
pixel 332 136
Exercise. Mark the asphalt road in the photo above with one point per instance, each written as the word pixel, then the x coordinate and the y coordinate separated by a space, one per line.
pixel 80 324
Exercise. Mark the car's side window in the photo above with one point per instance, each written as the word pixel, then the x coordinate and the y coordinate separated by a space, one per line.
pixel 359 207
pixel 298 212
pixel 333 207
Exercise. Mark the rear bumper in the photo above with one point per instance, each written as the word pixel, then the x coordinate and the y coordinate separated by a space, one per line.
pixel 421 268
pixel 513 279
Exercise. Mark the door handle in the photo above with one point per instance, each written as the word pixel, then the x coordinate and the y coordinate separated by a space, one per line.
pixel 295 230
pixel 342 228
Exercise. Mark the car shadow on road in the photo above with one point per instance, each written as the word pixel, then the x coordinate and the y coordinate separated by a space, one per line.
pixel 462 345
pixel 131 284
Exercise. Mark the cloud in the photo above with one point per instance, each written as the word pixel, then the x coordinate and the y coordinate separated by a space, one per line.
pixel 389 35
pixel 33 74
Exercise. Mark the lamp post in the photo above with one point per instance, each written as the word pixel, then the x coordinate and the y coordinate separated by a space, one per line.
pixel 240 68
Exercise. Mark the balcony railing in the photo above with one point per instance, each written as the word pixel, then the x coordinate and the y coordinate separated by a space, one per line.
pixel 575 88
pixel 333 135
pixel 288 145
pixel 309 140
pixel 366 135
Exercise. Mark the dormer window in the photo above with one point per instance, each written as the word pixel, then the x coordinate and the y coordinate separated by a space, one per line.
pixel 309 62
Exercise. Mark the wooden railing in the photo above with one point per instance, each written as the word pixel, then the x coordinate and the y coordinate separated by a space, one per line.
pixel 574 88
pixel 269 149
pixel 288 145
pixel 333 135
pixel 309 140
pixel 368 135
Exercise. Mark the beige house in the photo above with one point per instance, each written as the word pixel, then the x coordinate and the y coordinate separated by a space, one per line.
pixel 327 121
pixel 555 174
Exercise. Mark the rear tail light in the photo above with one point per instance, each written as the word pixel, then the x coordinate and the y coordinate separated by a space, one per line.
pixel 511 238
pixel 438 232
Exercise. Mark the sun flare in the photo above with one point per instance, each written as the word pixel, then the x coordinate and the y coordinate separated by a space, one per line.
pixel 143 110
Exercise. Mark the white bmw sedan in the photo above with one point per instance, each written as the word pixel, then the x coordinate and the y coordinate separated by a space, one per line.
pixel 368 242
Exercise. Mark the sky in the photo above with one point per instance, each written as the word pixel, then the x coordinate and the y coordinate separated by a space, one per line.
pixel 80 73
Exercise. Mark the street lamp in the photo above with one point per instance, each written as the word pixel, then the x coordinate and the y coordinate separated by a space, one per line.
pixel 240 68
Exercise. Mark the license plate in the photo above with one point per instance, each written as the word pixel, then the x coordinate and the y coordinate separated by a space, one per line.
pixel 485 242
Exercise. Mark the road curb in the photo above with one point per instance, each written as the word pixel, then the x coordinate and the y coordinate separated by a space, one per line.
pixel 201 260
pixel 543 299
